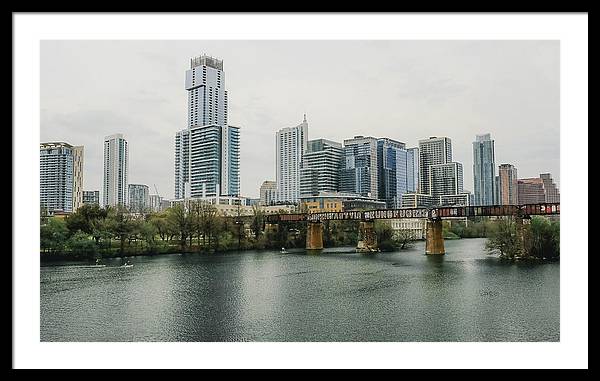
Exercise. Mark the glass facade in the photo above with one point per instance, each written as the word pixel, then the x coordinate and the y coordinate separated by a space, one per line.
pixel 359 172
pixel 398 171
pixel 484 170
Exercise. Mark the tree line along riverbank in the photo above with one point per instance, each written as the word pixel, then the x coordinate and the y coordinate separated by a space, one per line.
pixel 94 232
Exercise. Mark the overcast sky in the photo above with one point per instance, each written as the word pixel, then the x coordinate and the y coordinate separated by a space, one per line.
pixel 404 90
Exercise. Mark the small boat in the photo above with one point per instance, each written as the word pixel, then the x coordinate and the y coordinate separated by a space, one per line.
pixel 283 250
pixel 127 264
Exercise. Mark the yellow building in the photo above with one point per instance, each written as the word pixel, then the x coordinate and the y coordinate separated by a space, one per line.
pixel 337 202
pixel 324 205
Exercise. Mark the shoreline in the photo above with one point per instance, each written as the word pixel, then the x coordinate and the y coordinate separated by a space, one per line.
pixel 49 259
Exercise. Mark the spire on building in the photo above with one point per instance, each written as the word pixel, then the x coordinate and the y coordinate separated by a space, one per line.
pixel 304 121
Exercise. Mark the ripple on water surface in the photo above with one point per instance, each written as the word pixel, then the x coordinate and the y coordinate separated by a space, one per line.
pixel 337 295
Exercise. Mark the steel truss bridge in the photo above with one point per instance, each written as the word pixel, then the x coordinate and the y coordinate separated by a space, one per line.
pixel 430 213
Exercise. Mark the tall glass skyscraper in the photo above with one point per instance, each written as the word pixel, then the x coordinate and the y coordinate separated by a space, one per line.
pixel 398 171
pixel 116 168
pixel 61 176
pixel 484 170
pixel 412 181
pixel 360 167
pixel 207 152
pixel 391 167
pixel 290 143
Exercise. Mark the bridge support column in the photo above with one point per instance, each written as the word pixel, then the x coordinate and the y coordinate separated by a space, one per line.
pixel 367 238
pixel 434 244
pixel 314 236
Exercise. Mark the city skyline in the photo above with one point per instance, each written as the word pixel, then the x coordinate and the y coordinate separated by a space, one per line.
pixel 434 99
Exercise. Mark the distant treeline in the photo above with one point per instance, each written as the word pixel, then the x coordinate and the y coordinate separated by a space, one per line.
pixel 93 232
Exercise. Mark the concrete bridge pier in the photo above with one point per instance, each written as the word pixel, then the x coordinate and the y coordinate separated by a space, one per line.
pixel 314 235
pixel 367 238
pixel 434 244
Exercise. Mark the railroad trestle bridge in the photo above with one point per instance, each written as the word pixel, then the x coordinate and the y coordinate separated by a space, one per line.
pixel 434 239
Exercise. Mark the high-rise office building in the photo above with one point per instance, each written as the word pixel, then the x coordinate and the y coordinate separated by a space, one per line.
pixel 432 151
pixel 530 191
pixel 446 179
pixel 213 168
pixel 91 197
pixel 320 170
pixel 551 192
pixel 413 153
pixel 139 198
pixel 397 168
pixel 537 190
pixel 154 203
pixel 268 193
pixel 290 145
pixel 484 168
pixel 207 97
pixel 116 168
pixel 61 176
pixel 507 185
pixel 207 152
pixel 390 167
pixel 359 172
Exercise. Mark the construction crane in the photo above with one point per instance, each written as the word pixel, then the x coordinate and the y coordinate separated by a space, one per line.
pixel 156 190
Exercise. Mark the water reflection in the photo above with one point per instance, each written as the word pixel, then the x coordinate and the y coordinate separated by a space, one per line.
pixel 333 295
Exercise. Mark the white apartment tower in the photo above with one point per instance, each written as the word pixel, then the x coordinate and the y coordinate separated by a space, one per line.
pixel 207 97
pixel 291 143
pixel 207 152
pixel 116 168
pixel 61 176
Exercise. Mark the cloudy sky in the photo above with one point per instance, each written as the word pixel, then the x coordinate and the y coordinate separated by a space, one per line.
pixel 404 90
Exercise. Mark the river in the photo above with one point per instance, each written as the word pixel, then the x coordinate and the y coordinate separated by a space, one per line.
pixel 337 295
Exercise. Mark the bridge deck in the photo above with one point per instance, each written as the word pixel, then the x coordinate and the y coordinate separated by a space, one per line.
pixel 442 212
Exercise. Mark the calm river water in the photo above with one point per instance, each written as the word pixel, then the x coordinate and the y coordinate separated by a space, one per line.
pixel 337 295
